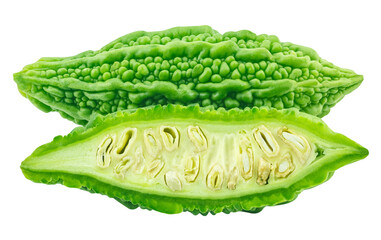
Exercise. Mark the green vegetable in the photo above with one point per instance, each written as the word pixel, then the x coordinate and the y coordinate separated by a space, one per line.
pixel 186 65
pixel 175 158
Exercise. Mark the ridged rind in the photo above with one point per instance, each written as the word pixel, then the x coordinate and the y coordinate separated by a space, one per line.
pixel 311 93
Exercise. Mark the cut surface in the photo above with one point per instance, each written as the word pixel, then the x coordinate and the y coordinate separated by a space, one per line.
pixel 201 161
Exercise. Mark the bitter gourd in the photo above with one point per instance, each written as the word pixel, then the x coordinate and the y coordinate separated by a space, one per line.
pixel 187 65
pixel 176 158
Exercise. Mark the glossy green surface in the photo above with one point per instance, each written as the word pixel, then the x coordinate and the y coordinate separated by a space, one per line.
pixel 241 167
pixel 186 65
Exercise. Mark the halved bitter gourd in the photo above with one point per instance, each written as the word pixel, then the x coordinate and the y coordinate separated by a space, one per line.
pixel 175 158
pixel 187 65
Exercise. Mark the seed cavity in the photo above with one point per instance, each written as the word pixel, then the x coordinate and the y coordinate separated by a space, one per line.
pixel 121 168
pixel 245 157
pixel 215 177
pixel 103 155
pixel 127 138
pixel 155 167
pixel 151 142
pixel 266 141
pixel 285 167
pixel 264 170
pixel 192 168
pixel 198 138
pixel 297 142
pixel 172 181
pixel 170 136
pixel 139 160
pixel 233 179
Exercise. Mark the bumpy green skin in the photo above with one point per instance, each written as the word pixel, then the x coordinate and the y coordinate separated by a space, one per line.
pixel 346 151
pixel 187 65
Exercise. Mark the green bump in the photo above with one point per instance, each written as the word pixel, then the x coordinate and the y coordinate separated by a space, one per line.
pixel 260 75
pixel 68 100
pixel 303 100
pixel 125 63
pixel 54 91
pixel 62 71
pixel 165 40
pixel 106 107
pixel 278 104
pixel 217 62
pixel 284 72
pixel 315 66
pixel 263 65
pixel 122 70
pixel 270 69
pixel 94 73
pixel 128 75
pixel 204 95
pixel 197 70
pixel 69 94
pixel 242 68
pixel 229 59
pixel 207 62
pixel 50 73
pixel 144 40
pixel 236 74
pixel 231 103
pixel 172 68
pixel 216 66
pixel 184 66
pixel 105 68
pixel 122 104
pixel 177 60
pixel 151 66
pixel 148 60
pixel 276 47
pixel 143 70
pixel 296 73
pixel 206 102
pixel 277 75
pixel 191 55
pixel 78 94
pixel 250 68
pixel 101 96
pixel 85 72
pixel 165 65
pixel 245 96
pixel 106 76
pixel 158 59
pixel 115 66
pixel 216 78
pixel 176 76
pixel 224 70
pixel 91 104
pixel 206 75
pixel 164 75
pixel 233 65
pixel 189 73
pixel 316 97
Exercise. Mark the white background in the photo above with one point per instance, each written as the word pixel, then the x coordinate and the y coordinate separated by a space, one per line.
pixel 346 33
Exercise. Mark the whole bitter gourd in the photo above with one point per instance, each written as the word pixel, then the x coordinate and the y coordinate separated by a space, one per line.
pixel 175 158
pixel 186 65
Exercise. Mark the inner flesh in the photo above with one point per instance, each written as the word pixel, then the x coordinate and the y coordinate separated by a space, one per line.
pixel 183 158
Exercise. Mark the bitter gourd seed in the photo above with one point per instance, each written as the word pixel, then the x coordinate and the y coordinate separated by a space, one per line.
pixel 175 158
pixel 186 65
